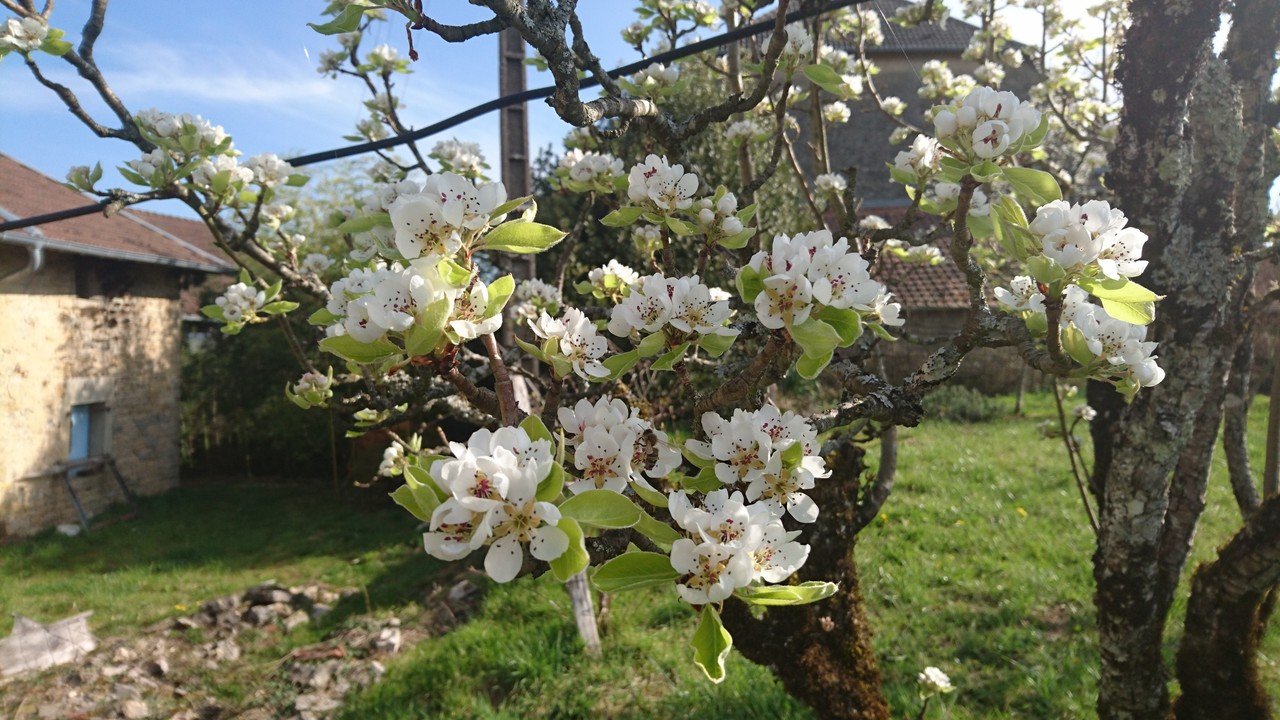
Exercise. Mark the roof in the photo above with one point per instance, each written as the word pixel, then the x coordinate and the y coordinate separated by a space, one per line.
pixel 951 37
pixel 131 235
pixel 924 287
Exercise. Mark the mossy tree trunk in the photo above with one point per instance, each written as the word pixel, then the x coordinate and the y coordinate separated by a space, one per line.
pixel 822 652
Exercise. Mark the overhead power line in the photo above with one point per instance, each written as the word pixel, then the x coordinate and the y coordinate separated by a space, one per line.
pixel 436 128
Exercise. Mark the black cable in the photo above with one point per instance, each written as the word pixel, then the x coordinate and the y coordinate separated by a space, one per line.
pixel 484 108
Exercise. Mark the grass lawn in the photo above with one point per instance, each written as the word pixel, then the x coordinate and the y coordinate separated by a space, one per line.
pixel 979 565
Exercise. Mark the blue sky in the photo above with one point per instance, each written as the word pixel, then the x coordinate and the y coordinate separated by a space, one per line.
pixel 249 66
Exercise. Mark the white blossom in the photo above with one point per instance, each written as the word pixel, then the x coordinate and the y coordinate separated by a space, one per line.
pixel 450 209
pixel 933 682
pixel 576 340
pixel 1022 294
pixel 491 484
pixel 461 157
pixel 659 185
pixel 23 34
pixel 316 263
pixel 830 183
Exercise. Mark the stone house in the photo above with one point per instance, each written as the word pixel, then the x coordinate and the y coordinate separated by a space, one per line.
pixel 90 341
pixel 934 298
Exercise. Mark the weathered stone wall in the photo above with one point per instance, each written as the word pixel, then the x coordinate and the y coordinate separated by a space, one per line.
pixel 56 349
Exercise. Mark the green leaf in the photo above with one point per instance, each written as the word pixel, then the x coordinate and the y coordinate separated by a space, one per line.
pixel 363 223
pixel 532 349
pixel 1137 313
pixel 826 78
pixel 453 273
pixel 575 559
pixel 521 237
pixel 620 363
pixel 659 532
pixel 680 227
pixel 1123 289
pixel 697 460
pixel 499 292
pixel 651 344
pixel 297 180
pixel 602 509
pixel 816 337
pixel 428 328
pixel 738 240
pixel 669 360
pixel 536 429
pixel 403 497
pixel 749 283
pixel 711 644
pixel 704 482
pixel 213 311
pixel 715 345
pixel 793 455
pixel 622 217
pixel 1044 269
pixel 1074 343
pixel 653 497
pixel 985 171
pixel 633 570
pixel 346 21
pixel 847 323
pixel 1037 187
pixel 551 486
pixel 280 306
pixel 348 348
pixel 801 594
pixel 54 46
pixel 810 366
pixel 509 205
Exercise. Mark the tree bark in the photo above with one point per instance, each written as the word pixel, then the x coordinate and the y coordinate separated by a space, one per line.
pixel 1235 428
pixel 822 652
pixel 1225 621
pixel 1149 479
pixel 1195 188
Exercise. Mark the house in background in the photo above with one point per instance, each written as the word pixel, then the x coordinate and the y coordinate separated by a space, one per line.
pixel 90 345
pixel 934 297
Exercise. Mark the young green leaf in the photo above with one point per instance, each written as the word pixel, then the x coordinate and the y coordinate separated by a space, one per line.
pixel 602 509
pixel 522 237
pixel 348 348
pixel 347 21
pixel 1037 187
pixel 632 570
pixel 801 594
pixel 711 644
pixel 575 559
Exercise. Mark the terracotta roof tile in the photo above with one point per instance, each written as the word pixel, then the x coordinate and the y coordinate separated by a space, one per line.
pixel 132 234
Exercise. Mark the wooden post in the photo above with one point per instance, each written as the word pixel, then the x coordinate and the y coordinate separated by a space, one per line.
pixel 517 172
pixel 517 176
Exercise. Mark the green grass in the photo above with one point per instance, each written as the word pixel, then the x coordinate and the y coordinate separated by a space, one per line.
pixel 196 543
pixel 980 564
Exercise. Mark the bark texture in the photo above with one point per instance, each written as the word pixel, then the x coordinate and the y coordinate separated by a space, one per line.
pixel 1226 619
pixel 822 652
pixel 1193 187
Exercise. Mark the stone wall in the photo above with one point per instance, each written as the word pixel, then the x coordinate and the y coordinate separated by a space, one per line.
pixel 119 346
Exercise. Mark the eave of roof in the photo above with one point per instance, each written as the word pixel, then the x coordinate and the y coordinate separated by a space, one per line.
pixel 19 237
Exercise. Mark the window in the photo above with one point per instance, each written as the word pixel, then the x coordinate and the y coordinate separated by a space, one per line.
pixel 89 424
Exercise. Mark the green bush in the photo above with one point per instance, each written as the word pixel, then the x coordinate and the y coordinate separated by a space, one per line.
pixel 956 403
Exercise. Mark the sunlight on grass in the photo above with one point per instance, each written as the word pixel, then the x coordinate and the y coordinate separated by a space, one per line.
pixel 979 564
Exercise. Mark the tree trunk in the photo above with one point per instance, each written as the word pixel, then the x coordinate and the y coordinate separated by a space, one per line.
pixel 1235 428
pixel 822 652
pixel 1225 621
pixel 1150 476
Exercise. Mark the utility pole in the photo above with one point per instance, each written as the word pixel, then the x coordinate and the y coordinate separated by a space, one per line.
pixel 517 173
pixel 517 176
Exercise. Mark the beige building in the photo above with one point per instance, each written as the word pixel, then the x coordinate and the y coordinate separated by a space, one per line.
pixel 90 341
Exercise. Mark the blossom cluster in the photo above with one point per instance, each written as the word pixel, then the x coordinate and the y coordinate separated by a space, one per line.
pixel 729 544
pixel 240 302
pixel 461 157
pixel 680 307
pixel 1090 236
pixel 23 34
pixel 768 453
pixel 534 296
pixel 573 340
pixel 613 446
pixel 987 123
pixel 658 186
pixel 490 490
pixel 448 212
pixel 581 171
pixel 805 272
